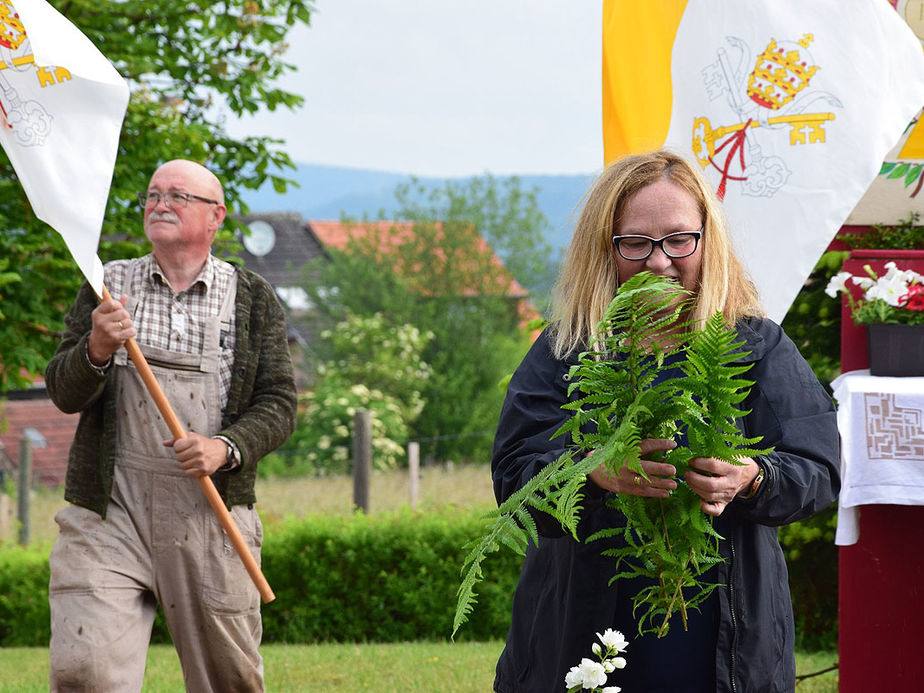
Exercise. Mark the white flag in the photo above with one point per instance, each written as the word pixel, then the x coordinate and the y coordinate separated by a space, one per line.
pixel 788 106
pixel 61 110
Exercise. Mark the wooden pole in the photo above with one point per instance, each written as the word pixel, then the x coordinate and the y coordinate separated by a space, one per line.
pixel 5 512
pixel 362 458
pixel 208 486
pixel 25 489
pixel 413 470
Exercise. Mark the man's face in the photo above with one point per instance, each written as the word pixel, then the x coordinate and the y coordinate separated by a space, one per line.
pixel 170 225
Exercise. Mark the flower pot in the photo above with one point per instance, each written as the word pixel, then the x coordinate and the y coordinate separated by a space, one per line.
pixel 896 349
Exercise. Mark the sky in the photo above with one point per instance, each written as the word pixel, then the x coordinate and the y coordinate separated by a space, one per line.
pixel 444 87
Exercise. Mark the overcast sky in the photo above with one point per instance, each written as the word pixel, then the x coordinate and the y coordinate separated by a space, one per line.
pixel 445 87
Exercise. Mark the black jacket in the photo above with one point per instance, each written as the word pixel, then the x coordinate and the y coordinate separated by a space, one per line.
pixel 563 597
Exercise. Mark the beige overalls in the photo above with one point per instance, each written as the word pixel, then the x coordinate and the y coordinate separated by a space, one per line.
pixel 160 543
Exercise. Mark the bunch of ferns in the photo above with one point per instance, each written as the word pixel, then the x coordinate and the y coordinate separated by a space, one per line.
pixel 623 398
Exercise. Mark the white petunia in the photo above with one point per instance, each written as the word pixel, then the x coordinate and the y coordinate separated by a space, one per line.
pixel 888 289
pixel 837 284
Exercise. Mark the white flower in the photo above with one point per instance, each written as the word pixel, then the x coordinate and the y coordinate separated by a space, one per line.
pixel 619 662
pixel 837 284
pixel 588 674
pixel 574 678
pixel 611 689
pixel 613 639
pixel 596 649
pixel 888 289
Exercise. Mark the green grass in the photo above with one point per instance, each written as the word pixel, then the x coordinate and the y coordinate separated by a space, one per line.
pixel 402 668
pixel 405 667
pixel 440 487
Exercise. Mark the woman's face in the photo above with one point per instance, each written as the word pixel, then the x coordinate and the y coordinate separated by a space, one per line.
pixel 655 211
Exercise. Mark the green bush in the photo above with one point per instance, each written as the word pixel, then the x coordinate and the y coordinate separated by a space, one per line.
pixel 24 614
pixel 393 577
pixel 811 557
pixel 385 578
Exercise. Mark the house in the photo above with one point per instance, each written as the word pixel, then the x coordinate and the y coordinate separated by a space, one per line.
pixel 280 247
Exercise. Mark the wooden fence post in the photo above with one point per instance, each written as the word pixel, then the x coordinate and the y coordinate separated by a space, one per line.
pixel 5 512
pixel 25 488
pixel 413 470
pixel 362 458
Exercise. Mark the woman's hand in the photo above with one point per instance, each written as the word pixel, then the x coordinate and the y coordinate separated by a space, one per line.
pixel 660 482
pixel 718 482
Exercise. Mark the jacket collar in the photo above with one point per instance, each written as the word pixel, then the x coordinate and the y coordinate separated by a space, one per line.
pixel 754 342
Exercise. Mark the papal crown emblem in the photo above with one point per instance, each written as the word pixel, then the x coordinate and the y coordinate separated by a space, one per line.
pixel 781 73
pixel 12 33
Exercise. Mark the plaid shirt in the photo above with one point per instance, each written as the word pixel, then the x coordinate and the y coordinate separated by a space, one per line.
pixel 175 321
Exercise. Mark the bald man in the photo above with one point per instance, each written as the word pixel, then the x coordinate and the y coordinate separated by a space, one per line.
pixel 138 531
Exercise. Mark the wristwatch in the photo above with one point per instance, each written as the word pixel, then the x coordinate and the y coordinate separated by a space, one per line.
pixel 233 458
pixel 755 485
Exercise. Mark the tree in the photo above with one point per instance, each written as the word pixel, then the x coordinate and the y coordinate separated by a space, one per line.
pixel 503 213
pixel 434 270
pixel 374 365
pixel 188 66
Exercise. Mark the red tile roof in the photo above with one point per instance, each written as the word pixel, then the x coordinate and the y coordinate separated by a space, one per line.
pixel 392 234
pixel 49 464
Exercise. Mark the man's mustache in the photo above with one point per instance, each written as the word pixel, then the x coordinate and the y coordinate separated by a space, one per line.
pixel 169 217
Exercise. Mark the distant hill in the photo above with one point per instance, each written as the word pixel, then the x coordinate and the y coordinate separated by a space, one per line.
pixel 329 192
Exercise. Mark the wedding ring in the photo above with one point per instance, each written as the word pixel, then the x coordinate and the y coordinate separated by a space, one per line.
pixel 121 326
pixel 638 480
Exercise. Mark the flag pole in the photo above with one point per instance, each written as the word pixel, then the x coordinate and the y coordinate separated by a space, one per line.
pixel 208 486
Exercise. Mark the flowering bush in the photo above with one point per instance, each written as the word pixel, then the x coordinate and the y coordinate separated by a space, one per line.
pixel 590 675
pixel 897 297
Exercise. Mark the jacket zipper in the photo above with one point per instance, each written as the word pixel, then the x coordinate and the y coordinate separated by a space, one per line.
pixel 734 618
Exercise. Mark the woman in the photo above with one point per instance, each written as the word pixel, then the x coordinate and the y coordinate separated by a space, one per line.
pixel 655 212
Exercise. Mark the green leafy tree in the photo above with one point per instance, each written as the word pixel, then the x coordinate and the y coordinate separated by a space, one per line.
pixel 189 65
pixel 373 365
pixel 439 274
pixel 507 216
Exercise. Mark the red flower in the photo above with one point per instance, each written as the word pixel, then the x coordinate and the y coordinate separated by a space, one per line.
pixel 914 299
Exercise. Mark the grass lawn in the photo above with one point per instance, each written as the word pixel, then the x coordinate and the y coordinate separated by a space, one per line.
pixel 399 668
pixel 277 499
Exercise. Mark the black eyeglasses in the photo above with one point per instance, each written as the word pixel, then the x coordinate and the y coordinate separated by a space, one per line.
pixel 674 245
pixel 171 199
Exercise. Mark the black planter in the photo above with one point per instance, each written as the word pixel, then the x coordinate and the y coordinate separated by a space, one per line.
pixel 896 349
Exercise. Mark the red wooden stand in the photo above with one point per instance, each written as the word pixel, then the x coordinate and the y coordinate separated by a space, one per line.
pixel 881 577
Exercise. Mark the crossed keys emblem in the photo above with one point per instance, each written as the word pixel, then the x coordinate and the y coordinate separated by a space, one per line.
pixel 26 118
pixel 768 98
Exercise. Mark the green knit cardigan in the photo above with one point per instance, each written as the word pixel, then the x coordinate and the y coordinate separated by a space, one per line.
pixel 259 415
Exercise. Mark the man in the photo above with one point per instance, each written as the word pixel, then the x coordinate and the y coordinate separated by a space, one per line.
pixel 139 530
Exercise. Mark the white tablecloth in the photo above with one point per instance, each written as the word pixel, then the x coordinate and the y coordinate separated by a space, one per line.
pixel 881 422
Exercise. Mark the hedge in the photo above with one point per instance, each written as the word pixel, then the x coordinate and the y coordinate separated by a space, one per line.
pixel 385 578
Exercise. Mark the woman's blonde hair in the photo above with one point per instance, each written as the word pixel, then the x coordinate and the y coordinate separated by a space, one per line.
pixel 588 278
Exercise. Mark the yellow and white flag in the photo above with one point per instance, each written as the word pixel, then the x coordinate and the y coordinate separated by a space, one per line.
pixel 61 110
pixel 788 106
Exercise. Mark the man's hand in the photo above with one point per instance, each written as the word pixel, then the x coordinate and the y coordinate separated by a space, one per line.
pixel 718 482
pixel 112 326
pixel 198 455
pixel 659 483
